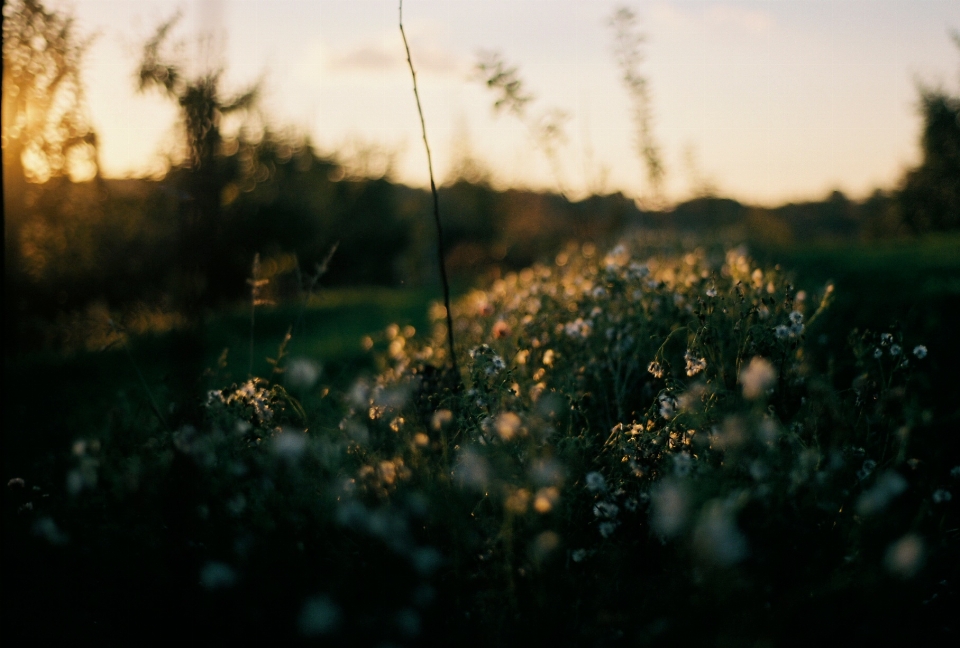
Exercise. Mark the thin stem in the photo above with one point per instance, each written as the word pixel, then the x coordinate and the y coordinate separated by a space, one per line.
pixel 143 381
pixel 436 206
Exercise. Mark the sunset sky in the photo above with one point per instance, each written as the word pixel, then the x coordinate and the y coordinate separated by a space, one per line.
pixel 768 100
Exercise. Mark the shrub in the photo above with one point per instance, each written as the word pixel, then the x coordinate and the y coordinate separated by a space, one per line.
pixel 644 450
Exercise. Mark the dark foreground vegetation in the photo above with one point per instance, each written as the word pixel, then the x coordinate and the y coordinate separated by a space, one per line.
pixel 230 411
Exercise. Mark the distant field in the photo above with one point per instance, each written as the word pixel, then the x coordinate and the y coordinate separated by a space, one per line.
pixel 52 400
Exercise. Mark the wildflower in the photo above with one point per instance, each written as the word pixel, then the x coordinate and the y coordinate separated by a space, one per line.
pixel 605 510
pixel 694 364
pixel 886 339
pixel 289 445
pixel 596 482
pixel 656 369
pixel 955 472
pixel 941 496
pixel 637 271
pixel 711 292
pixel 546 499
pixel 866 469
pixel 500 330
pixel 302 373
pixel 472 470
pixel 877 353
pixel 889 485
pixel 668 406
pixel 682 464
pixel 544 545
pixel 577 555
pixel 905 556
pixel 782 331
pixel 670 508
pixel 607 528
pixel 440 419
pixel 717 537
pixel 920 351
pixel 508 425
pixel 757 378
pixel 895 350
pixel 796 323
pixel 578 328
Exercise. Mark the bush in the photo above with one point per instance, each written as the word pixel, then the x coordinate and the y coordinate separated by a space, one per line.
pixel 644 451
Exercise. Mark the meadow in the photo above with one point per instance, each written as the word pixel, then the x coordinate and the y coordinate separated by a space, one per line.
pixel 677 448
pixel 239 408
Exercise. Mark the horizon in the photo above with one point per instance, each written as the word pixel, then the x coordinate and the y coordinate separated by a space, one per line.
pixel 730 85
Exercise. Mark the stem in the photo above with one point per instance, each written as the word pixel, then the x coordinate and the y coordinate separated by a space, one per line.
pixel 436 206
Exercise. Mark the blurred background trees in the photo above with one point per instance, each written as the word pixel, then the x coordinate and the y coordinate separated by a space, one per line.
pixel 46 134
pixel 79 246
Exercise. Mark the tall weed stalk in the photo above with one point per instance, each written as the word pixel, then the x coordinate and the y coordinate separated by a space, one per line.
pixel 436 205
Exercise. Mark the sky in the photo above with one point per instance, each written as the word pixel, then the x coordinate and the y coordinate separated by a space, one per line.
pixel 766 101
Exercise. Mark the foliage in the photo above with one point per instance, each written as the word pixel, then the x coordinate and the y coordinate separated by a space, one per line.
pixel 46 131
pixel 628 50
pixel 638 443
pixel 930 195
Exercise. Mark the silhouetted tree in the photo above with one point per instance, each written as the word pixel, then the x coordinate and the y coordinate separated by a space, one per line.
pixel 46 132
pixel 202 107
pixel 930 195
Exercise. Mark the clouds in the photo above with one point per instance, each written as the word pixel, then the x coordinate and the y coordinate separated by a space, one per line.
pixel 382 55
pixel 712 16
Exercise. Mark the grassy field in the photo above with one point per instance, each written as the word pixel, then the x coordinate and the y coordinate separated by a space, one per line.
pixel 53 399
pixel 156 549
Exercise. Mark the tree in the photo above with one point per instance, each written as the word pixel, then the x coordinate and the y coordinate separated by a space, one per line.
pixel 929 197
pixel 46 129
pixel 46 132
pixel 202 107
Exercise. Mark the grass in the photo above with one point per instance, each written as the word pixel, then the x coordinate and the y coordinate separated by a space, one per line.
pixel 406 505
pixel 53 399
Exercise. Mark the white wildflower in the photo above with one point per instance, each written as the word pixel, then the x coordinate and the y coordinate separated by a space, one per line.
pixel 302 373
pixel 668 406
pixel 605 510
pixel 579 328
pixel 941 496
pixel 866 469
pixel 759 376
pixel 717 537
pixel 596 482
pixel 895 350
pixel 905 556
pixel 607 528
pixel 656 369
pixel 889 485
pixel 694 364
pixel 920 351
